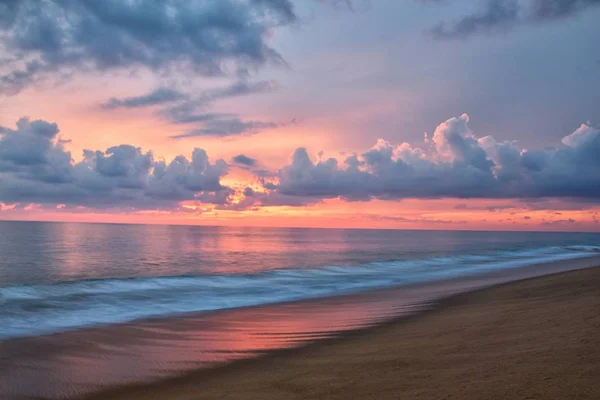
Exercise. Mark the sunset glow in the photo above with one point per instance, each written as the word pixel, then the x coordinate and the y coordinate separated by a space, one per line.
pixel 306 121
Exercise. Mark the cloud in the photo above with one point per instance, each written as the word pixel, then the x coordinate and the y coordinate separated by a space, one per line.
pixel 283 9
pixel 244 160
pixel 489 208
pixel 456 164
pixel 349 4
pixel 190 111
pixel 419 220
pixel 241 88
pixel 228 127
pixel 157 96
pixel 560 222
pixel 189 103
pixel 554 9
pixel 43 38
pixel 188 114
pixel 497 14
pixel 502 15
pixel 584 135
pixel 186 109
pixel 36 168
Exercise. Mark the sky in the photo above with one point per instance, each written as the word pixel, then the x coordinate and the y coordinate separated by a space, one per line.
pixel 413 114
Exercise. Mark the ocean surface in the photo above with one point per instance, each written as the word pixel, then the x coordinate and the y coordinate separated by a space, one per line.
pixel 57 277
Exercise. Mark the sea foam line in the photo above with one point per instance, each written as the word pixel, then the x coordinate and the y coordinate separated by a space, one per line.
pixel 48 308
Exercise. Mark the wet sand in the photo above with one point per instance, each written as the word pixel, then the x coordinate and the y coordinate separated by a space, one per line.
pixel 533 339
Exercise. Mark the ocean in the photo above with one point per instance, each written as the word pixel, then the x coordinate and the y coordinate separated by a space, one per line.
pixel 89 307
pixel 57 277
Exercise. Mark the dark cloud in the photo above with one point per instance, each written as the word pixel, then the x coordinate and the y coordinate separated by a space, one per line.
pixel 500 208
pixel 489 208
pixel 191 111
pixel 419 220
pixel 496 15
pixel 501 15
pixel 244 160
pixel 553 9
pixel 457 164
pixel 187 109
pixel 228 127
pixel 349 4
pixel 157 96
pixel 188 114
pixel 560 222
pixel 189 103
pixel 42 38
pixel 283 9
pixel 241 88
pixel 35 168
pixel 219 124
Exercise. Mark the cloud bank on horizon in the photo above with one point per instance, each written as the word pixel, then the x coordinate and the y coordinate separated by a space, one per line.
pixel 456 163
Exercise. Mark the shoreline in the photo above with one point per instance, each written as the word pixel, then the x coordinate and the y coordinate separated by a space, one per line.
pixel 101 362
pixel 481 280
pixel 204 383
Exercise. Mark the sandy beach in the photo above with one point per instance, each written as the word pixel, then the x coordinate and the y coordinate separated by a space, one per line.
pixel 533 339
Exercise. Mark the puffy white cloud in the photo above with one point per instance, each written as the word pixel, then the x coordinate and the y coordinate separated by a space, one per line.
pixel 584 135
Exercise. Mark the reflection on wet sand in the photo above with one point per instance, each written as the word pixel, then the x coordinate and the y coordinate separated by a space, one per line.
pixel 72 363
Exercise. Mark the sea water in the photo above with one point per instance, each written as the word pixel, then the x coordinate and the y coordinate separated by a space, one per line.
pixel 61 276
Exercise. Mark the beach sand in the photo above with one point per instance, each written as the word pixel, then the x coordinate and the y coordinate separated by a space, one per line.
pixel 533 339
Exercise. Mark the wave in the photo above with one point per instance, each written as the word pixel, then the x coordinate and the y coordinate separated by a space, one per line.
pixel 49 308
